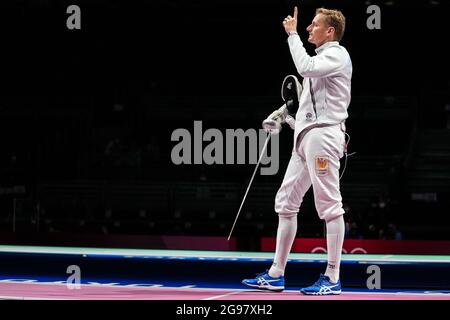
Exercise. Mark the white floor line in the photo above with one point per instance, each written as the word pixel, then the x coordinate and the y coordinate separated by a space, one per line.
pixel 223 295
pixel 28 298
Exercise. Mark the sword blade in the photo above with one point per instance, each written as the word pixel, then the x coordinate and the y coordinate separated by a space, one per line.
pixel 250 183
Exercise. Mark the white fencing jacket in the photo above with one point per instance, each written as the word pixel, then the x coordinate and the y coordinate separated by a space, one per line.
pixel 326 84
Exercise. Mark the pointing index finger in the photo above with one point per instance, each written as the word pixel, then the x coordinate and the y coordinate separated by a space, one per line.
pixel 295 12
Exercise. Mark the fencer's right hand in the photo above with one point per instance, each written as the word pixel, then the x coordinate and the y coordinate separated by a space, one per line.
pixel 290 23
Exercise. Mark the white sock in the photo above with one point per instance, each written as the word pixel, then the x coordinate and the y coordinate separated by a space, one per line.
pixel 287 230
pixel 335 241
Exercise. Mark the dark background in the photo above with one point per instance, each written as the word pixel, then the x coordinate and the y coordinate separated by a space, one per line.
pixel 86 117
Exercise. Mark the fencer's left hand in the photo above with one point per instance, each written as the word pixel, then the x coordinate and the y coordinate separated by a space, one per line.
pixel 279 114
pixel 290 23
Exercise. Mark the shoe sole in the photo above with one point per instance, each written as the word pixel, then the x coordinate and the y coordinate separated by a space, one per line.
pixel 331 293
pixel 266 288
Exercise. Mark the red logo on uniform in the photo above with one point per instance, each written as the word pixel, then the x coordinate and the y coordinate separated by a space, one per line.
pixel 322 165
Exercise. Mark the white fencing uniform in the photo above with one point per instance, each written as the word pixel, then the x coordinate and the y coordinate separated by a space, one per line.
pixel 319 138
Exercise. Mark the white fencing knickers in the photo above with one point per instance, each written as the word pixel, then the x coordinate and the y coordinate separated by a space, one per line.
pixel 314 161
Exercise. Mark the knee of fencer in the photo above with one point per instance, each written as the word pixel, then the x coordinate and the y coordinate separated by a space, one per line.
pixel 286 208
pixel 328 209
pixel 285 213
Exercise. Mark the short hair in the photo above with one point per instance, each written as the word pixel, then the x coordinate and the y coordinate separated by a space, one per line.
pixel 334 18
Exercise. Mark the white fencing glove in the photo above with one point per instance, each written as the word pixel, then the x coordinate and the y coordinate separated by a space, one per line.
pixel 274 121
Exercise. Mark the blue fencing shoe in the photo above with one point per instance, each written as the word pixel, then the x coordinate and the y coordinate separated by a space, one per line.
pixel 323 287
pixel 265 282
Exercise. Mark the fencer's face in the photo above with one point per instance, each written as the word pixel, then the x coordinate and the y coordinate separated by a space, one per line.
pixel 319 31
